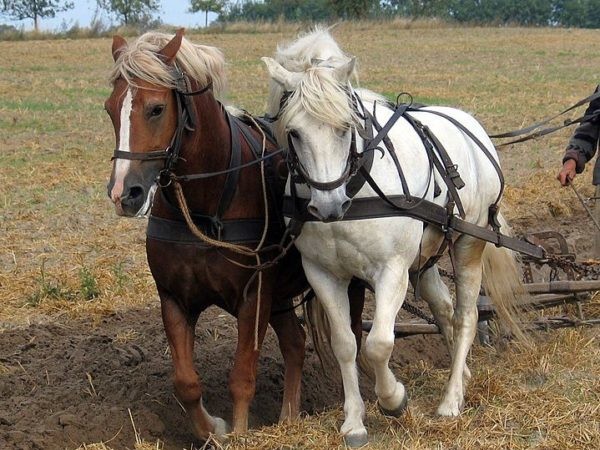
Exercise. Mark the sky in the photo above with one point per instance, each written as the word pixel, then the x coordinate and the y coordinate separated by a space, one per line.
pixel 173 12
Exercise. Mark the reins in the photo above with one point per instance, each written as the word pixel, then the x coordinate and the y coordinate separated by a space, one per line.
pixel 187 120
pixel 533 131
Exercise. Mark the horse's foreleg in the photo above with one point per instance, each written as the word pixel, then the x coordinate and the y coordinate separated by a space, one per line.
pixel 251 332
pixel 333 295
pixel 468 251
pixel 435 292
pixel 291 338
pixel 179 329
pixel 390 290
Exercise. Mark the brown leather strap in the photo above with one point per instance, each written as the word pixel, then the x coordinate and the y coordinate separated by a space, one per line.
pixel 424 210
pixel 239 231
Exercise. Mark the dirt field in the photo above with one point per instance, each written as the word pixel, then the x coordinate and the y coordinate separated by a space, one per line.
pixel 81 341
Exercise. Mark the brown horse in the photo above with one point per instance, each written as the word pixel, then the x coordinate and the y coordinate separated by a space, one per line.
pixel 169 125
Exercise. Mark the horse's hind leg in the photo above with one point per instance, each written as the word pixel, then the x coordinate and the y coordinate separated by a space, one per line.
pixel 179 328
pixel 468 252
pixel 242 379
pixel 356 296
pixel 390 290
pixel 435 292
pixel 291 338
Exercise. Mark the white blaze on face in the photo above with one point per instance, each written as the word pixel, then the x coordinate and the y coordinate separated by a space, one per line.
pixel 122 165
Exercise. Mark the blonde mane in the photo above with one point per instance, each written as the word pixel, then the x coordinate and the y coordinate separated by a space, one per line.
pixel 315 55
pixel 322 96
pixel 199 62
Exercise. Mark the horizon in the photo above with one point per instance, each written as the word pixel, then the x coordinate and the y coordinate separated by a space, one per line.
pixel 174 13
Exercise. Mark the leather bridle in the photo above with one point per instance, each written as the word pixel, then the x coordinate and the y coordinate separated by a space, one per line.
pixel 354 162
pixel 300 175
pixel 186 119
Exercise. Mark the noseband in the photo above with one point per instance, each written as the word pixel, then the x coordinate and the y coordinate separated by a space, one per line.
pixel 300 175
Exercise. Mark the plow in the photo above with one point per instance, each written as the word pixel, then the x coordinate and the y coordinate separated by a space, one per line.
pixel 554 281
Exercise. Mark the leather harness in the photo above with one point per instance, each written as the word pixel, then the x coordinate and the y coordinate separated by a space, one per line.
pixel 355 175
pixel 406 205
pixel 240 231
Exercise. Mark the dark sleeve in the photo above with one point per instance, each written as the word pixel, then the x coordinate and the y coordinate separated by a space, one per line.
pixel 582 145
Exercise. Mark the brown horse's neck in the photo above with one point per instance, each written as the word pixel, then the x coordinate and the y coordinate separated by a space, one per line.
pixel 208 149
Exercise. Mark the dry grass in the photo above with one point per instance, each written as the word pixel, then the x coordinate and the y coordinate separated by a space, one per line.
pixel 60 238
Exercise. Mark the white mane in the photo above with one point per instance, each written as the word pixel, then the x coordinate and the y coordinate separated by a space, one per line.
pixel 319 93
pixel 302 54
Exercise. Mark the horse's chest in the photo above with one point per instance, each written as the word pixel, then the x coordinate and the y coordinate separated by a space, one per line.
pixel 358 248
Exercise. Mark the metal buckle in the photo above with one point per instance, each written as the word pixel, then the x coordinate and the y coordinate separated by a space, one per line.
pixel 164 178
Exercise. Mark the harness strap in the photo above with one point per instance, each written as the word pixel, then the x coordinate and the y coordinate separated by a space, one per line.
pixel 271 178
pixel 530 128
pixel 356 182
pixel 137 156
pixel 549 130
pixel 238 231
pixel 476 140
pixel 446 168
pixel 382 135
pixel 424 210
pixel 233 176
pixel 203 176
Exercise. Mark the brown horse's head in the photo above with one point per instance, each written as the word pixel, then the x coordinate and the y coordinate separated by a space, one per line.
pixel 144 112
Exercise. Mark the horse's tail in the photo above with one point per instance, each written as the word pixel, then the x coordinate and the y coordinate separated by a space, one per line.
pixel 502 283
pixel 320 331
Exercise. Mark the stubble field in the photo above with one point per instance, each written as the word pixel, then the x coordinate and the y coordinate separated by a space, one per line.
pixel 82 352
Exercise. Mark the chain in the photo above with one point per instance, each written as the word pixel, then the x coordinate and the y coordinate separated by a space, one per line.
pixel 583 270
pixel 416 311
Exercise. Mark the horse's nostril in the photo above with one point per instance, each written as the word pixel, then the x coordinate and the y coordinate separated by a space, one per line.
pixel 314 211
pixel 135 192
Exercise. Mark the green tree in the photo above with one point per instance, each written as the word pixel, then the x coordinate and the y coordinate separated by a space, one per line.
pixel 34 9
pixel 271 10
pixel 577 13
pixel 353 9
pixel 207 6
pixel 130 11
pixel 523 12
pixel 418 8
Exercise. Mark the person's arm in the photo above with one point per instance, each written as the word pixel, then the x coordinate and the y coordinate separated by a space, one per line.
pixel 582 145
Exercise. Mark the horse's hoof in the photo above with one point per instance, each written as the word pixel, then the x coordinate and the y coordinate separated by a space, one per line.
pixel 356 440
pixel 448 410
pixel 397 412
pixel 221 428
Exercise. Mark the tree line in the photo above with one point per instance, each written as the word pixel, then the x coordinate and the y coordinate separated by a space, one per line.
pixel 566 13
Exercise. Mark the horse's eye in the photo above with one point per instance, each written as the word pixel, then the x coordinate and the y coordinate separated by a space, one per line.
pixel 341 132
pixel 156 110
pixel 294 134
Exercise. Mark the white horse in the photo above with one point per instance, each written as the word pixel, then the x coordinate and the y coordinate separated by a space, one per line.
pixel 319 118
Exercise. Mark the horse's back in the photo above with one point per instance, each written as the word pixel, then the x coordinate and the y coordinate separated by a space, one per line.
pixel 482 183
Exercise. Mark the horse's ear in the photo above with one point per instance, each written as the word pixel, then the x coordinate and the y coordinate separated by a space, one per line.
pixel 344 72
pixel 288 80
pixel 169 51
pixel 118 46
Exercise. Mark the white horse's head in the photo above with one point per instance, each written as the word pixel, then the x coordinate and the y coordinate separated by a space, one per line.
pixel 316 120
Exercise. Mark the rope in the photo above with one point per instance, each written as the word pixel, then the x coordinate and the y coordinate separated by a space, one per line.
pixel 265 228
pixel 585 206
pixel 241 250
pixel 198 233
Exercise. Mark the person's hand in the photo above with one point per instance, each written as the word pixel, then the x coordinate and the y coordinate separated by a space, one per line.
pixel 567 173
